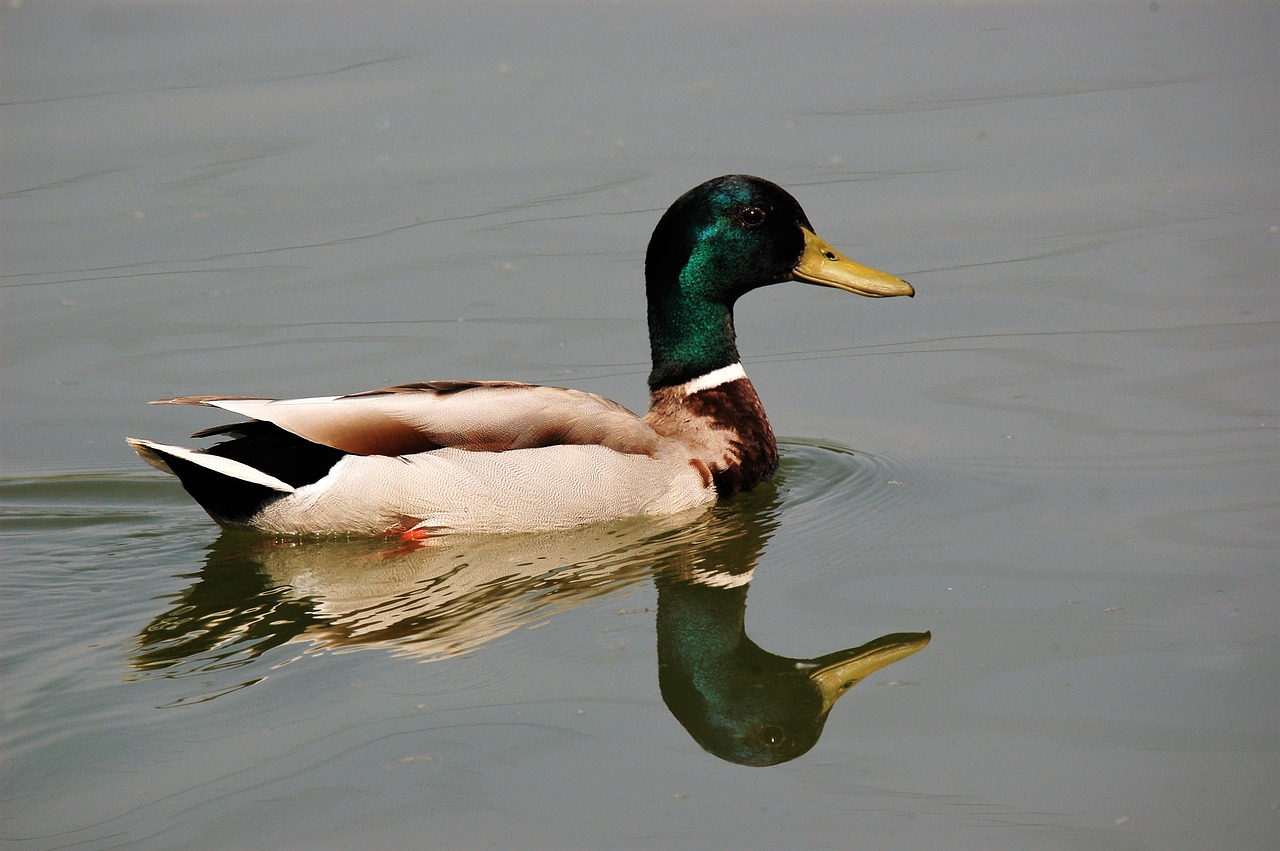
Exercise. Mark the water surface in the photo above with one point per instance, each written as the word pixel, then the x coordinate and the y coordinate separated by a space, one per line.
pixel 1060 458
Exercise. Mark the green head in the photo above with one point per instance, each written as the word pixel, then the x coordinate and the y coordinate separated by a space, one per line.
pixel 718 241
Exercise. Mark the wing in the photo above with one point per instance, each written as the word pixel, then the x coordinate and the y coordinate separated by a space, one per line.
pixel 486 416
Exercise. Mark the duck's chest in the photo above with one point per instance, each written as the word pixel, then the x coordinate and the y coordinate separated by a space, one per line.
pixel 724 426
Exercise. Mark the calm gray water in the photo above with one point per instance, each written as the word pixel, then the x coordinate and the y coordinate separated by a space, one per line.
pixel 1061 457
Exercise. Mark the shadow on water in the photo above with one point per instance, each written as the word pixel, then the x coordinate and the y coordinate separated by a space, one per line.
pixel 452 596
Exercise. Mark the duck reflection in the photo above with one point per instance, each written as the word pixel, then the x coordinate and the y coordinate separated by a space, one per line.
pixel 430 601
pixel 737 700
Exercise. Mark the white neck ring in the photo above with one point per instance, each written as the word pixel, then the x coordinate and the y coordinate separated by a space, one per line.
pixel 714 378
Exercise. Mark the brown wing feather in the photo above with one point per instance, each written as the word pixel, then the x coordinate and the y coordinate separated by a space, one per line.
pixel 480 416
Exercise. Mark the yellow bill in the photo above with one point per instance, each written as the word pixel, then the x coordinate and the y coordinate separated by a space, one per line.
pixel 823 265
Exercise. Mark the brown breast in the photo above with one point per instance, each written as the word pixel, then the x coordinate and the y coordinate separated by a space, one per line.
pixel 724 426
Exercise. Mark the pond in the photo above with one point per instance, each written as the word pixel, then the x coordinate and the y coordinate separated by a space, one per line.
pixel 1036 505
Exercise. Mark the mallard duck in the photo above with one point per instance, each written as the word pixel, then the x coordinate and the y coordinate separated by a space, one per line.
pixel 496 456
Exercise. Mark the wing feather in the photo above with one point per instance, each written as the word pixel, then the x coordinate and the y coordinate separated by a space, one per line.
pixel 488 416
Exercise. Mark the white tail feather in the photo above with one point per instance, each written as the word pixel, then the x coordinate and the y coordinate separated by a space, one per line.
pixel 153 453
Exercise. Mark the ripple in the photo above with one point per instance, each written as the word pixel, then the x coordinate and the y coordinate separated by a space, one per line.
pixel 45 503
pixel 820 482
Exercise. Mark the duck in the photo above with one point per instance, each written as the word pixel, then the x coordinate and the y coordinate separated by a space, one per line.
pixel 443 457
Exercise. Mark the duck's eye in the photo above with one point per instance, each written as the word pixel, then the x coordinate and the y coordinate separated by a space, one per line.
pixel 772 735
pixel 751 217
